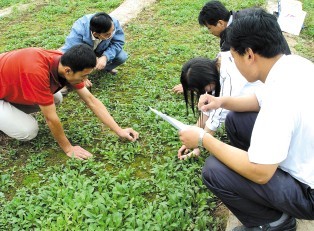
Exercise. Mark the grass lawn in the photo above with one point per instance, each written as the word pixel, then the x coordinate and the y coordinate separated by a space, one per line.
pixel 126 186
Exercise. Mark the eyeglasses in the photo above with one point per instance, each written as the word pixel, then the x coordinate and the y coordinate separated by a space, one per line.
pixel 110 36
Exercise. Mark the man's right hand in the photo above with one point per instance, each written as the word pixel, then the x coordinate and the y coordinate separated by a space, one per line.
pixel 101 63
pixel 79 153
pixel 208 102
pixel 128 133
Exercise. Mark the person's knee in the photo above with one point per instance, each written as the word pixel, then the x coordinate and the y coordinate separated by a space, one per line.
pixel 210 170
pixel 17 124
pixel 27 132
pixel 122 57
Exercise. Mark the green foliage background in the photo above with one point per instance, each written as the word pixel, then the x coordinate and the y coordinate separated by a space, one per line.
pixel 126 186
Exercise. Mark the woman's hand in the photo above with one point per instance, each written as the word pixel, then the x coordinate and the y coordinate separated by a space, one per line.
pixel 184 153
pixel 178 89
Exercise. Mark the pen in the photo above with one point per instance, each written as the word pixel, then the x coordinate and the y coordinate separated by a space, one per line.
pixel 201 114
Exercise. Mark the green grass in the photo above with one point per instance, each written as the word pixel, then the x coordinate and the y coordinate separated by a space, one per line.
pixel 305 41
pixel 126 186
pixel 308 6
pixel 8 3
pixel 46 23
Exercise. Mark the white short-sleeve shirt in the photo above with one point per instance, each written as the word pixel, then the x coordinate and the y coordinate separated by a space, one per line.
pixel 232 83
pixel 284 129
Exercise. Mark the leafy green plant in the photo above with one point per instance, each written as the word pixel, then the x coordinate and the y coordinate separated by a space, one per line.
pixel 6 182
pixel 36 161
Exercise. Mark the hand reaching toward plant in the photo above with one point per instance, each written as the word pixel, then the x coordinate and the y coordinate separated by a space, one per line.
pixel 185 153
pixel 129 133
pixel 79 153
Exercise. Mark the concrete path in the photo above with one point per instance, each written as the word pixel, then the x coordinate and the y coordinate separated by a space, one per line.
pixel 129 9
pixel 7 11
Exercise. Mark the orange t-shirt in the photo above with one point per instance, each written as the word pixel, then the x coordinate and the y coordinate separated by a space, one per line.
pixel 30 76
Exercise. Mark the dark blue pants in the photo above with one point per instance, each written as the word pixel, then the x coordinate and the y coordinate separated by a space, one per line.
pixel 254 204
pixel 239 126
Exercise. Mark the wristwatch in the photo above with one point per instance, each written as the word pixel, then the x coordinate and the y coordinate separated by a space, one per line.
pixel 200 139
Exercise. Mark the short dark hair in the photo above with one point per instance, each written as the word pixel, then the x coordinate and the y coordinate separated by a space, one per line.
pixel 196 74
pixel 212 12
pixel 100 23
pixel 79 57
pixel 259 31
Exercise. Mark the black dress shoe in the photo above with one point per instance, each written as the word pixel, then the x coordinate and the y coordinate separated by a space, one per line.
pixel 243 228
pixel 288 225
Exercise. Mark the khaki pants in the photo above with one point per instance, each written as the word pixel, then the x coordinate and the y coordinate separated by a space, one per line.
pixel 16 121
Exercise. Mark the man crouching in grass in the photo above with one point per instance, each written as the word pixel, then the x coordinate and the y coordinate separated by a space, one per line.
pixel 30 79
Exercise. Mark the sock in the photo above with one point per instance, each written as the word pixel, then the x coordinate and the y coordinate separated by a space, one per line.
pixel 283 218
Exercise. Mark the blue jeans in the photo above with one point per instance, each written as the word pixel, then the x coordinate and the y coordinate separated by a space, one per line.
pixel 117 61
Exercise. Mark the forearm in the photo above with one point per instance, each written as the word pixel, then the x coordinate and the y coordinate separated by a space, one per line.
pixel 240 103
pixel 55 126
pixel 102 113
pixel 112 51
pixel 206 129
pixel 58 133
pixel 237 160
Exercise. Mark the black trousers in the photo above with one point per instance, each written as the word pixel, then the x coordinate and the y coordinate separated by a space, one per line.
pixel 239 127
pixel 254 204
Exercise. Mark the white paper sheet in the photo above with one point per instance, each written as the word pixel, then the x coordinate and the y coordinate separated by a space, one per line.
pixel 175 123
pixel 291 16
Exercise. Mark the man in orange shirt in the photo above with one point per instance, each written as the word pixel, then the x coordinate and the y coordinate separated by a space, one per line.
pixel 30 79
